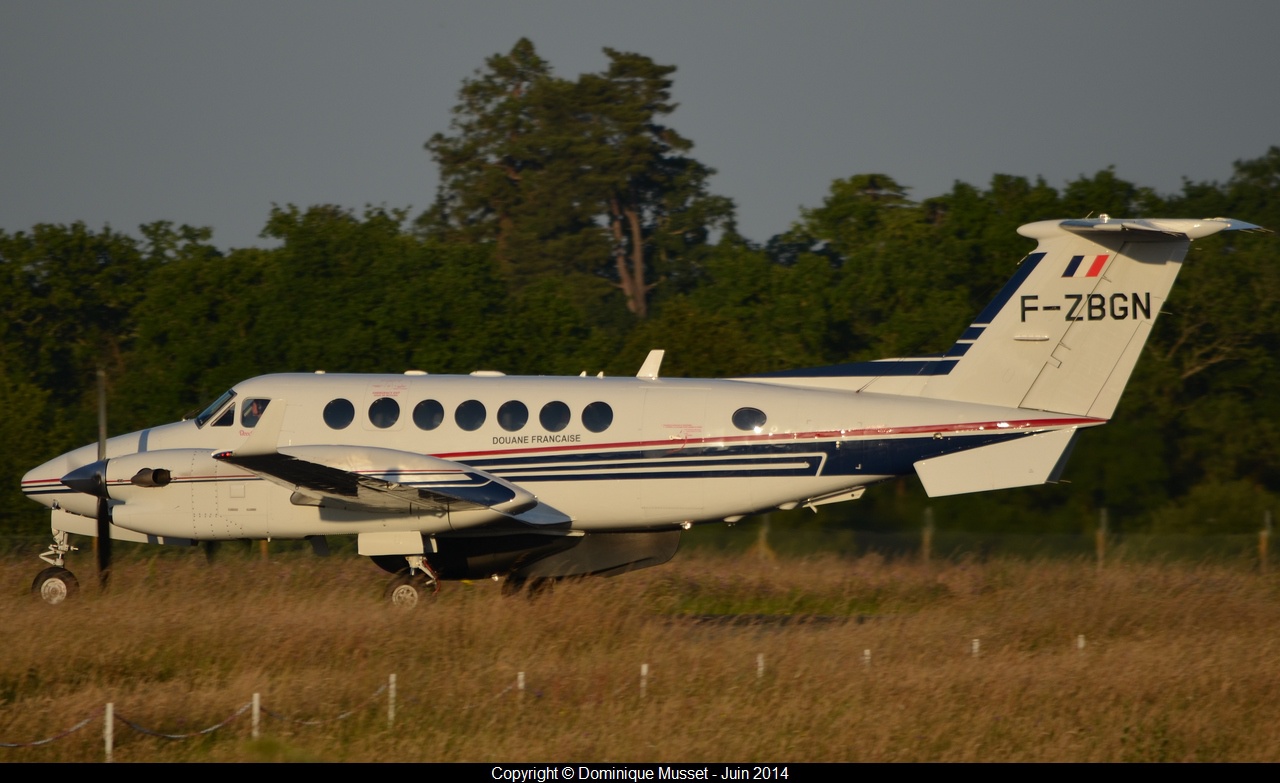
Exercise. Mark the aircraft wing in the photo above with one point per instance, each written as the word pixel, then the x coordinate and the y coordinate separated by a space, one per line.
pixel 390 481
pixel 383 481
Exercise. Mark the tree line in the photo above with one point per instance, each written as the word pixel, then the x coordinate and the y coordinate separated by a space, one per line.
pixel 573 230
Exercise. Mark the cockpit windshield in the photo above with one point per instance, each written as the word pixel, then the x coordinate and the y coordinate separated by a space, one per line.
pixel 208 412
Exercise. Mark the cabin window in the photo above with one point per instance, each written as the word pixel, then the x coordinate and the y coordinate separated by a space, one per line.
pixel 339 413
pixel 554 416
pixel 597 416
pixel 513 415
pixel 749 419
pixel 383 412
pixel 428 414
pixel 470 415
pixel 251 410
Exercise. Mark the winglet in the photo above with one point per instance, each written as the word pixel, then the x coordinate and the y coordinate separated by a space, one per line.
pixel 652 363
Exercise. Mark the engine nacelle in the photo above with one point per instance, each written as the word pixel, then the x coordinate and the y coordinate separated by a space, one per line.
pixel 186 493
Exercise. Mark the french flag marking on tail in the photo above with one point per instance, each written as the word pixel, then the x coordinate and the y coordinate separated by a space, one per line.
pixel 1095 267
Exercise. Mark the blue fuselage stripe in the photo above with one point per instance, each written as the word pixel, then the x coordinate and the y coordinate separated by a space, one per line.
pixel 868 456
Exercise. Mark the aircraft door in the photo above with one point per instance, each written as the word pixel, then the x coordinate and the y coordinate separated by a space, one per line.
pixel 384 410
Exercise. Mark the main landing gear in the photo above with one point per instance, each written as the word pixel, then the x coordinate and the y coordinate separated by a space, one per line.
pixel 56 584
pixel 413 585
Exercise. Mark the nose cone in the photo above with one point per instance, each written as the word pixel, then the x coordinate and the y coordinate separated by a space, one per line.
pixel 42 485
pixel 90 479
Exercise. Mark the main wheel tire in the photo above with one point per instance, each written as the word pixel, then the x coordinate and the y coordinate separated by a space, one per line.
pixel 55 585
pixel 408 590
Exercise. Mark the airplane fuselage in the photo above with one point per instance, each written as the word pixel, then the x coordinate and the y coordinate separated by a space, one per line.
pixel 610 453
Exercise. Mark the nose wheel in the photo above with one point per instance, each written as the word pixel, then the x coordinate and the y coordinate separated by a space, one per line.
pixel 55 585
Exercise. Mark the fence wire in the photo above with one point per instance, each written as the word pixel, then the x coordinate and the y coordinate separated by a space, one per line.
pixel 335 719
pixel 54 738
pixel 154 733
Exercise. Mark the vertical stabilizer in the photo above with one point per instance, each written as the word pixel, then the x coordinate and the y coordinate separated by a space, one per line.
pixel 1065 333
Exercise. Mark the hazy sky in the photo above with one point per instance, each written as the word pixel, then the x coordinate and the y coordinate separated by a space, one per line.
pixel 207 112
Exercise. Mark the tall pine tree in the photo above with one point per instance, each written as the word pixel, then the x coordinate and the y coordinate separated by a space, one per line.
pixel 574 176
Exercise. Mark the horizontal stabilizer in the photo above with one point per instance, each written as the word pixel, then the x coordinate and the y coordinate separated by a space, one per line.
pixel 1153 228
pixel 1021 462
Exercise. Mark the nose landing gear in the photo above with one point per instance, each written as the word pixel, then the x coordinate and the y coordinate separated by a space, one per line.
pixel 56 584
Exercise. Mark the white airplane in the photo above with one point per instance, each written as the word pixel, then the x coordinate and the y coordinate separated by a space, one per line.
pixel 536 478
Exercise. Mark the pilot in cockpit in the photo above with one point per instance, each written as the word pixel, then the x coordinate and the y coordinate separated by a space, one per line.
pixel 251 412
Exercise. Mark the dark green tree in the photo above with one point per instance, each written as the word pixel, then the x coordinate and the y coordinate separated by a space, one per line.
pixel 903 286
pixel 491 163
pixel 654 197
pixel 574 177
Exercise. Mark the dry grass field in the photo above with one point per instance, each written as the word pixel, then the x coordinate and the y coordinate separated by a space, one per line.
pixel 1180 663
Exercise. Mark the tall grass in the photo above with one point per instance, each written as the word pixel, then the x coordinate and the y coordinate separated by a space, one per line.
pixel 1181 663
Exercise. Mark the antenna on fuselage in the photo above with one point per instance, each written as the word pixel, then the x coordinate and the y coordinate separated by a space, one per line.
pixel 652 363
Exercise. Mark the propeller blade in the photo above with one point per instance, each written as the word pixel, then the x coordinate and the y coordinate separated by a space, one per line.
pixel 104 505
pixel 104 542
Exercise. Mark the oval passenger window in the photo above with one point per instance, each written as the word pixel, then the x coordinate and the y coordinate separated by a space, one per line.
pixel 749 419
pixel 470 415
pixel 597 416
pixel 428 414
pixel 383 412
pixel 339 413
pixel 513 415
pixel 554 416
